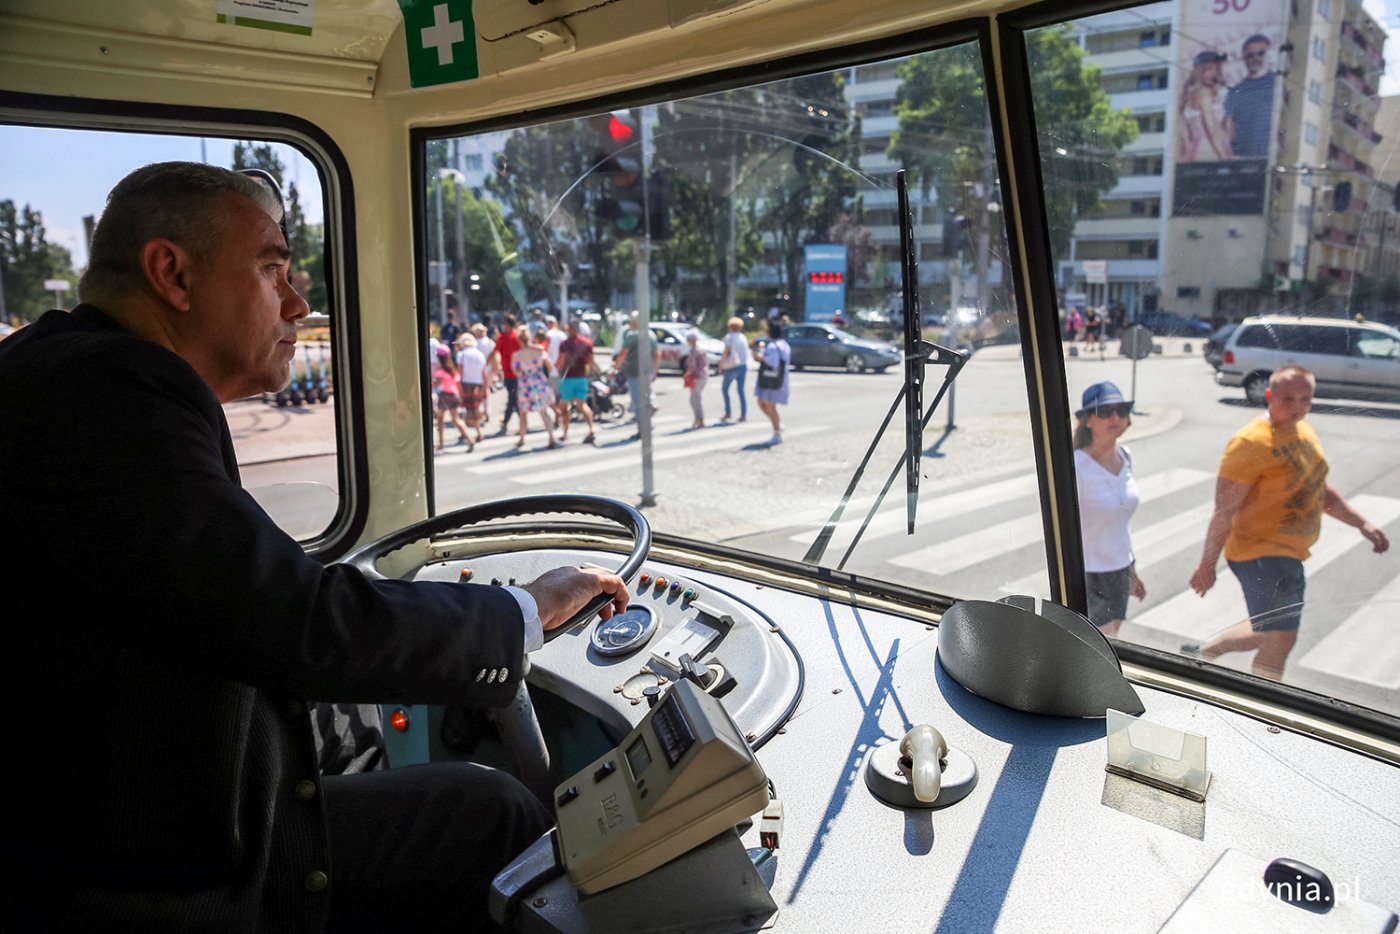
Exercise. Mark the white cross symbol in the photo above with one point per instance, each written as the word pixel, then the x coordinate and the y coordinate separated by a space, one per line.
pixel 443 34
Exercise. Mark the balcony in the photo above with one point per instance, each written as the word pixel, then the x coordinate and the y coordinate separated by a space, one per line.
pixel 1131 186
pixel 1119 228
pixel 1146 143
pixel 1141 101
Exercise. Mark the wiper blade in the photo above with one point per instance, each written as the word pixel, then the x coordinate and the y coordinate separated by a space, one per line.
pixel 918 353
pixel 926 353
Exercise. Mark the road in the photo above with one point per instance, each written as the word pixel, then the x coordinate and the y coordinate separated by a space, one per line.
pixel 979 531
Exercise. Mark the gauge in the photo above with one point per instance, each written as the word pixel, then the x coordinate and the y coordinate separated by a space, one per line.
pixel 625 632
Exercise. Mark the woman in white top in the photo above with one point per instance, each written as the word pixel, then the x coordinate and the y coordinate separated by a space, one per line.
pixel 471 369
pixel 733 365
pixel 493 366
pixel 1108 497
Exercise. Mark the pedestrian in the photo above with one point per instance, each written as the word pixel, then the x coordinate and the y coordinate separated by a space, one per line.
pixel 447 383
pixel 733 365
pixel 628 359
pixel 773 384
pixel 471 373
pixel 507 343
pixel 450 330
pixel 492 372
pixel 1270 495
pixel 532 372
pixel 554 339
pixel 1108 497
pixel 1093 321
pixel 695 367
pixel 1073 322
pixel 576 363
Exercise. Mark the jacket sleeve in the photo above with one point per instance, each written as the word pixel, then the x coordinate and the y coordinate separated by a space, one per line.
pixel 191 566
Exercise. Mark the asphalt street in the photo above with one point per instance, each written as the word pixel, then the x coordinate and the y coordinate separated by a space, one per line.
pixel 979 531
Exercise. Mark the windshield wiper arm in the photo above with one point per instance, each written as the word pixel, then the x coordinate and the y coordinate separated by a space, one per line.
pixel 918 353
pixel 926 353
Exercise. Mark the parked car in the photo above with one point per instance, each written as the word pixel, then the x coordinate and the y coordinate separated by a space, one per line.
pixel 1171 324
pixel 1350 359
pixel 670 337
pixel 1215 344
pixel 828 345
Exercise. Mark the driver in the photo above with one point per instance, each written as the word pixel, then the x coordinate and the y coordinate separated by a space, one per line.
pixel 167 632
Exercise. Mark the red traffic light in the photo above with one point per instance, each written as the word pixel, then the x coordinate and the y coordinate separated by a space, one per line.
pixel 622 128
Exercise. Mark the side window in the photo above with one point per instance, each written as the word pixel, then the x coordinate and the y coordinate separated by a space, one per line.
pixel 1257 335
pixel 1314 340
pixel 52 193
pixel 1373 346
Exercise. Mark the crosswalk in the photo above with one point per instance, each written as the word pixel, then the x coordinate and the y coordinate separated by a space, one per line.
pixel 1350 646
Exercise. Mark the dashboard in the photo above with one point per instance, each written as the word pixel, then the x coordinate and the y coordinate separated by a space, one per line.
pixel 1046 836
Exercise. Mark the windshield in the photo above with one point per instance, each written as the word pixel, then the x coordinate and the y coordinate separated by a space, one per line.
pixel 1241 172
pixel 766 204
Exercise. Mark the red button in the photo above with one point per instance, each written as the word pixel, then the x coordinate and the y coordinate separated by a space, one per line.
pixel 399 721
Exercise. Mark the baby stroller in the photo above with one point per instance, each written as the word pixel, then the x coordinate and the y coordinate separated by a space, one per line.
pixel 605 392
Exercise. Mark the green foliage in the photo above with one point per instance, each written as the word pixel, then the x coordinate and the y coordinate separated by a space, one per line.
pixel 817 175
pixel 27 259
pixel 944 135
pixel 544 179
pixel 488 244
pixel 707 150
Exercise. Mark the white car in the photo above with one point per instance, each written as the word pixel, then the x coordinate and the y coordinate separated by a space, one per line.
pixel 1349 359
pixel 670 337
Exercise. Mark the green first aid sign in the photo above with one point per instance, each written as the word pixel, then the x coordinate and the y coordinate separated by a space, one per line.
pixel 441 37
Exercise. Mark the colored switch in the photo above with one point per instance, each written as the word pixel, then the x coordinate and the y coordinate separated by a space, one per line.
pixel 466 575
pixel 689 594
pixel 675 587
pixel 645 579
pixel 399 721
pixel 661 583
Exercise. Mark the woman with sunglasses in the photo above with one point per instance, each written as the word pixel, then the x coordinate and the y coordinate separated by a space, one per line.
pixel 1108 497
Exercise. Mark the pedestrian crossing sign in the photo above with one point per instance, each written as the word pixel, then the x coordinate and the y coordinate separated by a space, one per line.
pixel 441 39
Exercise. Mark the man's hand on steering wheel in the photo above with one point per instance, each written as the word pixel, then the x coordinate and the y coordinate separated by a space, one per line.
pixel 562 592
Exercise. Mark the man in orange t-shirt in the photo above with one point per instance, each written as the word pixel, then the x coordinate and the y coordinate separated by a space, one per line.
pixel 1269 499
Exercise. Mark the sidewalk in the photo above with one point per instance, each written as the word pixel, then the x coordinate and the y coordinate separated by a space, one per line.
pixel 1161 346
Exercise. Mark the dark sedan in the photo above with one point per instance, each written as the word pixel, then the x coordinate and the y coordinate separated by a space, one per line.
pixel 1171 324
pixel 828 345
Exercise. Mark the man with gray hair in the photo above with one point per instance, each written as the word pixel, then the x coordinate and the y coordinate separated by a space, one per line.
pixel 171 782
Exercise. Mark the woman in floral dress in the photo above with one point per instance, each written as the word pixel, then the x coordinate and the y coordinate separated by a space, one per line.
pixel 532 370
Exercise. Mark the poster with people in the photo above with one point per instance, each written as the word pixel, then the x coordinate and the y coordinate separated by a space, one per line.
pixel 1226 101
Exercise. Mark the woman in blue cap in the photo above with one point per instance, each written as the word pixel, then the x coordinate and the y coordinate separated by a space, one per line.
pixel 1108 497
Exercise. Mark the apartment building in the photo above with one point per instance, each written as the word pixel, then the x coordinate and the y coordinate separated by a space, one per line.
pixel 1115 255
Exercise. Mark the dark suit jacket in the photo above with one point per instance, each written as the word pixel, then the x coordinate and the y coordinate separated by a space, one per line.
pixel 161 633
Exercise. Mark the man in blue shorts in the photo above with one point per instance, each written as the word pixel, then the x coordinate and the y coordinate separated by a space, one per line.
pixel 1270 495
pixel 575 363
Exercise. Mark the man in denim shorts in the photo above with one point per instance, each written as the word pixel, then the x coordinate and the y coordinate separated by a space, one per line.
pixel 1270 495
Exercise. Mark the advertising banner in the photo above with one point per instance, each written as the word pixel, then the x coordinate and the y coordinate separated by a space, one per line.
pixel 1226 97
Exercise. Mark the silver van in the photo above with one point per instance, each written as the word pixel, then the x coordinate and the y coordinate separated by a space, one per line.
pixel 1350 359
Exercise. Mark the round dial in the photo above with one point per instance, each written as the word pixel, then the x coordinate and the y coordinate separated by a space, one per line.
pixel 625 632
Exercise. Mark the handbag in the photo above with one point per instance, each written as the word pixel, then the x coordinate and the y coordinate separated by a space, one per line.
pixel 769 378
pixel 689 380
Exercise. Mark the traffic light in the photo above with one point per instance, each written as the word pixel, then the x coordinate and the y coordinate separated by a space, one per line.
pixel 618 163
pixel 954 235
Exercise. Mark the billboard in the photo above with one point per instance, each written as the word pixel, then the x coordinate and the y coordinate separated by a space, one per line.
pixel 825 265
pixel 1227 88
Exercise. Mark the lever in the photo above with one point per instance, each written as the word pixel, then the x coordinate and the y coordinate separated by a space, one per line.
pixel 924 748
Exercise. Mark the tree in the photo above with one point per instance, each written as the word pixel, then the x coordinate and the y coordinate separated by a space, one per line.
pixel 27 259
pixel 707 149
pixel 488 244
pixel 815 169
pixel 545 182
pixel 944 135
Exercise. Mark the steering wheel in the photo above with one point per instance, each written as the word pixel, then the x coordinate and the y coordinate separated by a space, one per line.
pixel 519 727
